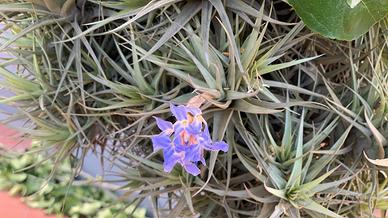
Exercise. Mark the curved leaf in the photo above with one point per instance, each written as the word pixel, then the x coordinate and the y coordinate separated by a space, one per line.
pixel 337 19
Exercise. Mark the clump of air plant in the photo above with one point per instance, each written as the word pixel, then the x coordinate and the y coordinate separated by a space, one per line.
pixel 284 102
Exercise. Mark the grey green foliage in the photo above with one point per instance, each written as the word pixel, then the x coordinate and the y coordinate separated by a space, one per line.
pixel 298 110
pixel 21 175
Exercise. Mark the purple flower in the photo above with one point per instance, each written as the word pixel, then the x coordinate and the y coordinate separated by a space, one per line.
pixel 185 141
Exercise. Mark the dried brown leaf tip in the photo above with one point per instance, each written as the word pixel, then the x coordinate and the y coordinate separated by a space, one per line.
pixel 377 162
pixel 199 100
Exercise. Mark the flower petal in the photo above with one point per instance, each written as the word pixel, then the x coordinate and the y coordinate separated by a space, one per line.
pixel 192 153
pixel 206 134
pixel 217 146
pixel 171 158
pixel 161 141
pixel 179 112
pixel 191 168
pixel 195 127
pixel 203 161
pixel 163 125
pixel 178 128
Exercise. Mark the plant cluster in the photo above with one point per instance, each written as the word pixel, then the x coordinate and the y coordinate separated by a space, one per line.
pixel 301 114
pixel 21 175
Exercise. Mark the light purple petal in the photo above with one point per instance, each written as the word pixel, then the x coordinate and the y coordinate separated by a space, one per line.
pixel 170 160
pixel 179 112
pixel 161 141
pixel 162 124
pixel 192 153
pixel 178 146
pixel 191 168
pixel 206 135
pixel 217 146
pixel 194 127
pixel 203 161
pixel 178 128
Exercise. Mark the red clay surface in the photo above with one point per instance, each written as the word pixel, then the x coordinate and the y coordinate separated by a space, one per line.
pixel 13 207
pixel 10 138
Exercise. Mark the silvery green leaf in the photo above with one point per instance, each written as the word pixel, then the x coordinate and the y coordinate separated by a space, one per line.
pixel 353 3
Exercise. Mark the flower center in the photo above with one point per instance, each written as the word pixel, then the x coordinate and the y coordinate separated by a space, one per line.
pixel 187 139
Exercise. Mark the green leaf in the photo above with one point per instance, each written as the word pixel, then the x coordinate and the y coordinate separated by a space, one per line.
pixel 321 163
pixel 262 68
pixel 337 19
pixel 219 7
pixel 353 3
pixel 249 167
pixel 310 185
pixel 276 192
pixel 295 177
pixel 188 11
pixel 314 206
pixel 245 106
pixel 18 177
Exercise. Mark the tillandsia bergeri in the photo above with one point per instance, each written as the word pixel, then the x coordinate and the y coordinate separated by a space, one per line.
pixel 185 140
pixel 287 105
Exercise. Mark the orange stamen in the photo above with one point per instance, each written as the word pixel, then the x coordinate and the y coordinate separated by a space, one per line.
pixel 183 137
pixel 192 140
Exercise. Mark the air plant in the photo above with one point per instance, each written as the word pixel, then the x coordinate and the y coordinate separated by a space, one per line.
pixel 293 113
